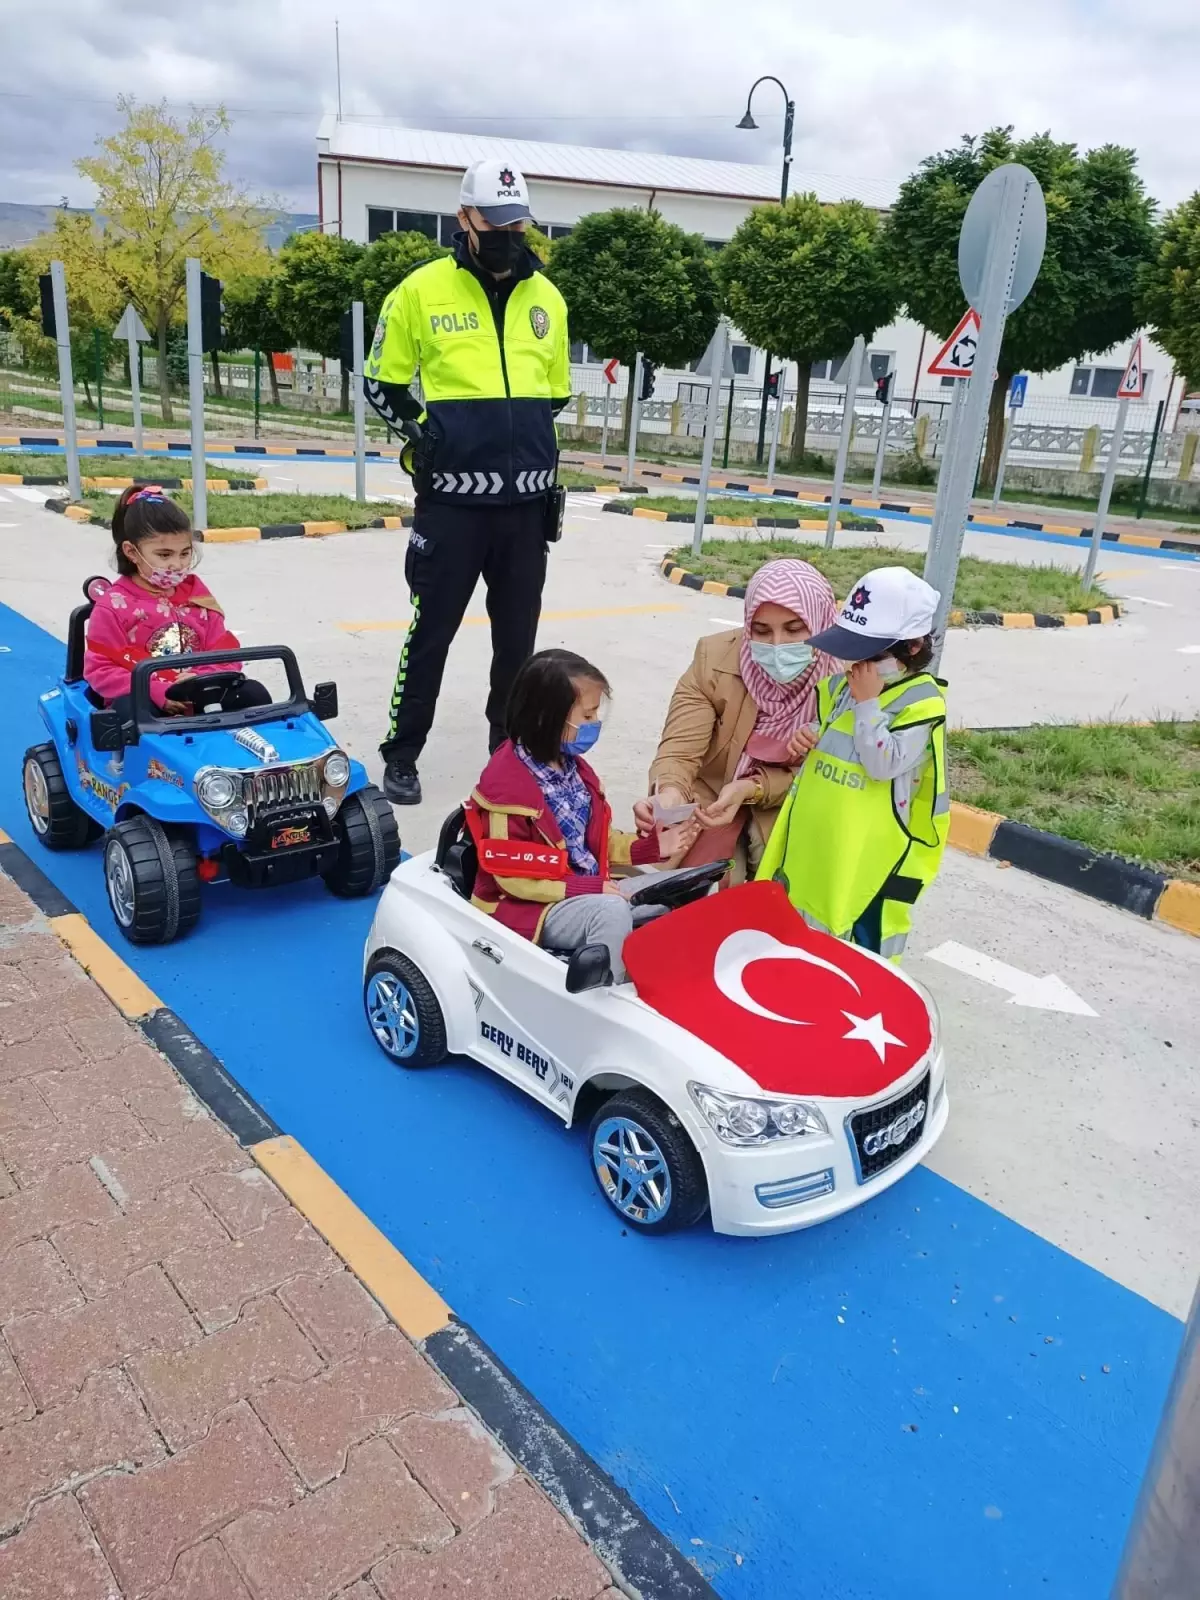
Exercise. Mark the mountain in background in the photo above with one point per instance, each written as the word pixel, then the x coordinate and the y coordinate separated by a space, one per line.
pixel 19 224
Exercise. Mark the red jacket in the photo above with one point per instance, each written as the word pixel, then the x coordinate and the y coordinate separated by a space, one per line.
pixel 129 624
pixel 524 868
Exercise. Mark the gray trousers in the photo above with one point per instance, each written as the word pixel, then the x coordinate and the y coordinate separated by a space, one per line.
pixel 606 919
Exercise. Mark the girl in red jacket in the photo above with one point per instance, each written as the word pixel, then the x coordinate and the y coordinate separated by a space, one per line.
pixel 158 608
pixel 541 824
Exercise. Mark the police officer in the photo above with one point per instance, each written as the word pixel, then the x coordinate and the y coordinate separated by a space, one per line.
pixel 487 331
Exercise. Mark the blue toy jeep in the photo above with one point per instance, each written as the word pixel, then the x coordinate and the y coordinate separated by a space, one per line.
pixel 260 796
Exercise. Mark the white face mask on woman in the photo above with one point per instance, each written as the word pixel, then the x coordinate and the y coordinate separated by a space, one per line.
pixel 783 662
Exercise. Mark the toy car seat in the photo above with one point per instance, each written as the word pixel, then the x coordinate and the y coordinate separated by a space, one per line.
pixel 93 588
pixel 456 855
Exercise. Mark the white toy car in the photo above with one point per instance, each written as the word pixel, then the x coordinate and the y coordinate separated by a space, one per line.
pixel 798 1116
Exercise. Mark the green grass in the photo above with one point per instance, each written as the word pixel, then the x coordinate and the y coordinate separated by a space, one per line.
pixel 1132 791
pixel 258 510
pixel 575 478
pixel 34 464
pixel 1124 503
pixel 727 506
pixel 981 586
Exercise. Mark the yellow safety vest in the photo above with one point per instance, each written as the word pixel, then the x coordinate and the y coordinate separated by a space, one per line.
pixel 488 377
pixel 840 839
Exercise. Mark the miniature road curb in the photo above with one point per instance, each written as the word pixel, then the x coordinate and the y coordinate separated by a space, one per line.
pixel 641 1558
pixel 1110 878
pixel 275 530
pixel 958 619
pixel 215 485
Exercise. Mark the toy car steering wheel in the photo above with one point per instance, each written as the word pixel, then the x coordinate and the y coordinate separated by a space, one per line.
pixel 205 687
pixel 680 888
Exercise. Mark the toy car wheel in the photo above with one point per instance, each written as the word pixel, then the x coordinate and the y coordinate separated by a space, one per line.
pixel 403 1012
pixel 369 845
pixel 153 887
pixel 58 822
pixel 647 1167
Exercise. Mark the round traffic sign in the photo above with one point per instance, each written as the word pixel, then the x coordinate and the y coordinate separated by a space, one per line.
pixel 979 225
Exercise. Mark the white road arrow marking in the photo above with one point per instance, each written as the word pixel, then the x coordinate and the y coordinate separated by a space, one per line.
pixel 1040 994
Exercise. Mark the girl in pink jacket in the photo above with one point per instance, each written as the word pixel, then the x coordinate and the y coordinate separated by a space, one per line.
pixel 158 608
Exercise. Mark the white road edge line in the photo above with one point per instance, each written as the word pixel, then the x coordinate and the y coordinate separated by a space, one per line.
pixel 1040 994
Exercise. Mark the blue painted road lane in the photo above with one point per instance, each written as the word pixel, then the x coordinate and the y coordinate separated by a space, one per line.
pixel 910 1403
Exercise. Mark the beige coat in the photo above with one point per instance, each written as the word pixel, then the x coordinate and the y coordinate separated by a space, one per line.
pixel 709 721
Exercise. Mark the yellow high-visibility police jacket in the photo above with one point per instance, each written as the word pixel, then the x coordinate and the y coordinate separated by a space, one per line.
pixel 494 364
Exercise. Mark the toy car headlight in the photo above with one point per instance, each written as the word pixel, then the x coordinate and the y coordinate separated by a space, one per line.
pixel 753 1120
pixel 337 770
pixel 215 790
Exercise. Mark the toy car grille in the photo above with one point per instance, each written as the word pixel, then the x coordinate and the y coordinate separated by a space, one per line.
pixel 285 786
pixel 873 1155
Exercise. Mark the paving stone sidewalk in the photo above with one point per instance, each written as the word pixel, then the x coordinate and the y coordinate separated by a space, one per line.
pixel 197 1400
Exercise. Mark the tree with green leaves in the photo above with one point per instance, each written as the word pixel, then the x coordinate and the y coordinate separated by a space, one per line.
pixel 319 277
pixel 18 291
pixel 1169 288
pixel 634 282
pixel 252 320
pixel 391 257
pixel 804 280
pixel 162 193
pixel 92 300
pixel 1099 235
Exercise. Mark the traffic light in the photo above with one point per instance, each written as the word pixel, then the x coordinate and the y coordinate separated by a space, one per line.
pixel 649 372
pixel 883 388
pixel 773 384
pixel 210 313
pixel 46 291
pixel 346 341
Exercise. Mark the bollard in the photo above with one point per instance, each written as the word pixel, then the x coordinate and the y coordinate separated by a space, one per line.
pixel 1187 458
pixel 1091 446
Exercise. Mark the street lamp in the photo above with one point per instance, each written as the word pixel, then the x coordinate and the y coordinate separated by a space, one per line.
pixel 789 119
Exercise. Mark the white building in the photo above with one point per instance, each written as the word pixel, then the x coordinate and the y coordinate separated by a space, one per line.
pixel 372 178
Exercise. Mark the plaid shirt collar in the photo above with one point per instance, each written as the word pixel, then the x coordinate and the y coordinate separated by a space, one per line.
pixel 569 802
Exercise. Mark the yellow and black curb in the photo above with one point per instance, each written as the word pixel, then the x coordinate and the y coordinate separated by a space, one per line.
pixel 274 530
pixel 182 447
pixel 641 1557
pixel 215 485
pixel 676 574
pixel 622 509
pixel 1110 878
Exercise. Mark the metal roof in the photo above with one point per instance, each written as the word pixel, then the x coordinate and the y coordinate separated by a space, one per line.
pixel 397 145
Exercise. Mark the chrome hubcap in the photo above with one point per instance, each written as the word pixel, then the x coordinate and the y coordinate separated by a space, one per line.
pixel 118 877
pixel 632 1170
pixel 37 796
pixel 392 1015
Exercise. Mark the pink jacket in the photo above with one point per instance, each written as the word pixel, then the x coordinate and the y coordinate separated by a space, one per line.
pixel 129 624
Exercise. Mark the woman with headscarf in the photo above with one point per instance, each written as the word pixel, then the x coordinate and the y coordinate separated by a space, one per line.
pixel 747 694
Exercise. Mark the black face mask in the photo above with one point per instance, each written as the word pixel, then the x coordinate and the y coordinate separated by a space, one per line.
pixel 498 251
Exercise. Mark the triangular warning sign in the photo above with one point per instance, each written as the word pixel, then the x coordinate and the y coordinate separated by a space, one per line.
pixel 956 358
pixel 1132 379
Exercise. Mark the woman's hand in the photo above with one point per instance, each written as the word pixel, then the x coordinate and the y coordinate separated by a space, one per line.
pixel 679 839
pixel 610 887
pixel 864 681
pixel 802 741
pixel 643 810
pixel 729 802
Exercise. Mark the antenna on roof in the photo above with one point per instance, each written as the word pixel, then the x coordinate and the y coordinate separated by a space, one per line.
pixel 337 48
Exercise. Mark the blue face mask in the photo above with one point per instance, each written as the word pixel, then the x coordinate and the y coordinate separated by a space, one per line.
pixel 585 737
pixel 783 662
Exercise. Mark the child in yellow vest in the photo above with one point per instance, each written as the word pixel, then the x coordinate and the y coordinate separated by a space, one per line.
pixel 862 832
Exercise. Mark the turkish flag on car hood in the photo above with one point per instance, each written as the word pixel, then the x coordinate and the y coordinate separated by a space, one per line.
pixel 800 1011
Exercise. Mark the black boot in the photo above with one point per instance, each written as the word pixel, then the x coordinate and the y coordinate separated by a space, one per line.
pixel 400 783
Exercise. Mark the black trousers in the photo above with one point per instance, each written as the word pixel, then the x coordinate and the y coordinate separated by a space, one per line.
pixel 450 548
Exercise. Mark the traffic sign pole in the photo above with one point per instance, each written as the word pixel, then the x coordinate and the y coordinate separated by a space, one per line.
pixel 610 370
pixel 713 417
pixel 775 433
pixel 956 396
pixel 1008 433
pixel 360 402
pixel 1106 489
pixel 196 396
pixel 877 477
pixel 635 417
pixel 135 384
pixel 1162 1553
pixel 853 370
pixel 604 428
pixel 66 378
pixel 1007 197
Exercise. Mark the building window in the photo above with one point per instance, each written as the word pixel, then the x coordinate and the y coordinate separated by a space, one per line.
pixel 559 230
pixel 378 223
pixel 739 354
pixel 1081 380
pixel 948 383
pixel 582 355
pixel 447 228
pixel 716 244
pixel 881 364
pixel 425 222
pixel 1102 383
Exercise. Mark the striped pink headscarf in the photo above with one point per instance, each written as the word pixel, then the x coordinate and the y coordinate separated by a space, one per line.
pixel 784 707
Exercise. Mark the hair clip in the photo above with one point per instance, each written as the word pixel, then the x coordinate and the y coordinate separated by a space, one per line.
pixel 152 491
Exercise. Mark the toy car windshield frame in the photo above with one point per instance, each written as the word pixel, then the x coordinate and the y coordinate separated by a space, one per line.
pixel 147 720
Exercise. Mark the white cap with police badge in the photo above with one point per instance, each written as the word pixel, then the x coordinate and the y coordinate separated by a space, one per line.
pixel 498 190
pixel 884 607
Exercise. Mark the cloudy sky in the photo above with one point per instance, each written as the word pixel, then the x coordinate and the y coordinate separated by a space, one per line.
pixel 878 84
